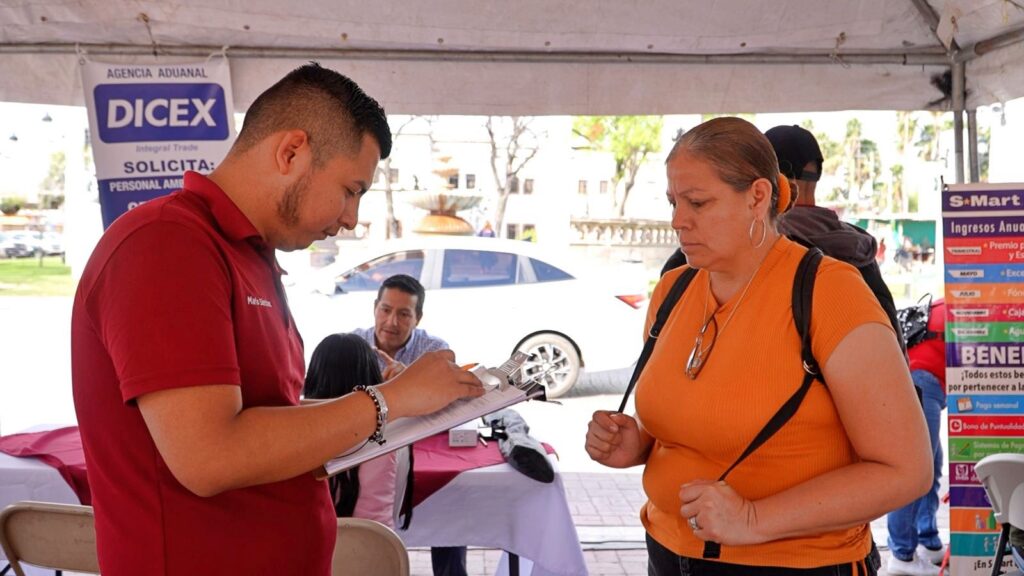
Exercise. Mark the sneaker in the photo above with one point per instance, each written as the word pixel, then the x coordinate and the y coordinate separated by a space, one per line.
pixel 933 556
pixel 916 566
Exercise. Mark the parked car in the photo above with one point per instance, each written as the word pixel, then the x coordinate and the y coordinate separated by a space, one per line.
pixel 6 246
pixel 25 243
pixel 488 298
pixel 51 244
pixel 15 245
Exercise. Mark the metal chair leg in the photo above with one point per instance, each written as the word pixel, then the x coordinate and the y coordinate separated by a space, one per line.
pixel 997 564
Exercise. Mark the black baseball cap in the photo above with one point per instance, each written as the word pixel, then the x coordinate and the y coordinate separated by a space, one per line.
pixel 795 147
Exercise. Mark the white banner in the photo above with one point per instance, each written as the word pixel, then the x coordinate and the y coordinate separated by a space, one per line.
pixel 151 123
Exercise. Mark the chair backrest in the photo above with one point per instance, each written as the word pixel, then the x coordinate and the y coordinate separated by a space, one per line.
pixel 1002 475
pixel 368 548
pixel 56 536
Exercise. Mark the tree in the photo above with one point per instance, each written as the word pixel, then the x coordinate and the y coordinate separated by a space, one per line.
pixel 630 139
pixel 519 144
pixel 928 141
pixel 906 129
pixel 52 186
pixel 897 200
pixel 984 151
pixel 384 170
pixel 860 159
pixel 906 132
pixel 832 159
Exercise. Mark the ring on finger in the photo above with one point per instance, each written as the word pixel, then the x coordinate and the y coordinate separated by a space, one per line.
pixel 692 520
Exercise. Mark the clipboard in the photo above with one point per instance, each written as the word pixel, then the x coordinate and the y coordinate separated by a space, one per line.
pixel 505 386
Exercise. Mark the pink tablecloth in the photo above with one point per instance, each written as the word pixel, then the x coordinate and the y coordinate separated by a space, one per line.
pixel 60 448
pixel 436 464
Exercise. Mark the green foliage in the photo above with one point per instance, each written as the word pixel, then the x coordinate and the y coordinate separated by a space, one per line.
pixel 897 187
pixel 906 129
pixel 54 181
pixel 626 137
pixel 928 139
pixel 860 159
pixel 629 139
pixel 831 152
pixel 51 201
pixel 11 205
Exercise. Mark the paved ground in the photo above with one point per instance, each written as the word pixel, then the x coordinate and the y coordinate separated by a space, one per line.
pixel 604 507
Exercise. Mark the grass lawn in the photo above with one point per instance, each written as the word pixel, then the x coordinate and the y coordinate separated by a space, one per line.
pixel 25 277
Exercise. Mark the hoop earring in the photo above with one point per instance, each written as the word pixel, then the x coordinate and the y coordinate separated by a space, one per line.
pixel 764 233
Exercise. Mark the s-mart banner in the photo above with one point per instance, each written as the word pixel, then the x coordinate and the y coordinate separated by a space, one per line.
pixel 983 251
pixel 984 405
pixel 151 123
pixel 960 292
pixel 991 313
pixel 971 250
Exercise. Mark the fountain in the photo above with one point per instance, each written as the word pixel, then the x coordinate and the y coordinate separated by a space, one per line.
pixel 443 204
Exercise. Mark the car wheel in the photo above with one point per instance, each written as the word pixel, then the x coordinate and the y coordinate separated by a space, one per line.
pixel 554 360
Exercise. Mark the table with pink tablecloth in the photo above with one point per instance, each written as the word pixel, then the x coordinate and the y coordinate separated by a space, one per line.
pixel 463 497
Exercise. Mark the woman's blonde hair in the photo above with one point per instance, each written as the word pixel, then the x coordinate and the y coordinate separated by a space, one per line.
pixel 736 149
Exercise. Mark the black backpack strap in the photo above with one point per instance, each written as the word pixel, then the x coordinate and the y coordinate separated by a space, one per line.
pixel 652 337
pixel 803 295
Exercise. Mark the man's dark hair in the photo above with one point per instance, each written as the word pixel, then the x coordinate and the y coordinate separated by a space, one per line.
pixel 330 108
pixel 406 284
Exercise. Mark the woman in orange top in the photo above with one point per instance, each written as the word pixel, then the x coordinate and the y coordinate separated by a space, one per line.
pixel 854 450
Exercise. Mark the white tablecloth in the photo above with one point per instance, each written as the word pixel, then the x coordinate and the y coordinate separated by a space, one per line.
pixel 497 507
pixel 30 479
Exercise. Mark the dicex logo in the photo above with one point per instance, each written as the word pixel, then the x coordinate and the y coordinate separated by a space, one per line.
pixel 160 112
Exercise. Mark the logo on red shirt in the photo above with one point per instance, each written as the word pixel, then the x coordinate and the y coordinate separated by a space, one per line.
pixel 254 301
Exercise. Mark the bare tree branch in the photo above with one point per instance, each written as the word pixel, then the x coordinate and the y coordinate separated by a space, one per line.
pixel 515 158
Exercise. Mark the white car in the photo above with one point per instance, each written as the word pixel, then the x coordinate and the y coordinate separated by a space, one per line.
pixel 24 243
pixel 487 298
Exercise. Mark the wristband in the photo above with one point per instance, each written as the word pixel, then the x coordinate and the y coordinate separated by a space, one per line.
pixel 382 412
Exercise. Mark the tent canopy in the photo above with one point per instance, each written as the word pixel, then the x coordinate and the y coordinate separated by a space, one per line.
pixel 543 56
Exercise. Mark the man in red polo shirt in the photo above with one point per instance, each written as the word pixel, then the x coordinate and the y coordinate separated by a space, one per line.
pixel 187 365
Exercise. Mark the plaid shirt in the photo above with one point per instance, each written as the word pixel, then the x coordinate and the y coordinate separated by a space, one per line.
pixel 419 344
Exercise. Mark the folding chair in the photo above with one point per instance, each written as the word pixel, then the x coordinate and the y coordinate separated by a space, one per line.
pixel 368 548
pixel 1002 475
pixel 55 536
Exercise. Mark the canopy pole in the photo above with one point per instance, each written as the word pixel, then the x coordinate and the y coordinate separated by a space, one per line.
pixel 972 144
pixel 958 119
pixel 923 57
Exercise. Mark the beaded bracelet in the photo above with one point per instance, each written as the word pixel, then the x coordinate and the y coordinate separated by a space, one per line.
pixel 382 412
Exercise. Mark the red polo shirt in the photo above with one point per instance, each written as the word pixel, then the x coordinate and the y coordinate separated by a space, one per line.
pixel 182 291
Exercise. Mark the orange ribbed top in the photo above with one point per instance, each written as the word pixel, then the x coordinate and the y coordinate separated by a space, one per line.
pixel 701 426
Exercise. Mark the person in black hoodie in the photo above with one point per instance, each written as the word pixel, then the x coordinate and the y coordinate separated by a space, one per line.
pixel 801 161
